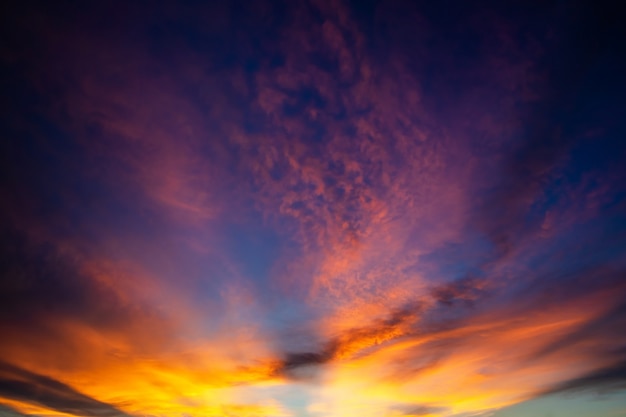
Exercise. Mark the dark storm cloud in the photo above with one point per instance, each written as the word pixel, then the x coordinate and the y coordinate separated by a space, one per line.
pixel 22 385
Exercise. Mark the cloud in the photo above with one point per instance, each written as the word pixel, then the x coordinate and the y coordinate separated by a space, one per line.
pixel 356 341
pixel 19 384
pixel 464 290
pixel 6 411
pixel 422 410
pixel 45 287
pixel 423 233
pixel 600 380
pixel 600 328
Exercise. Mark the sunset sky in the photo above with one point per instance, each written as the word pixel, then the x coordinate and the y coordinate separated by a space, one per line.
pixel 312 208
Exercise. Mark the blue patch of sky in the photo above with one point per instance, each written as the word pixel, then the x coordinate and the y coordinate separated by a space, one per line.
pixel 570 405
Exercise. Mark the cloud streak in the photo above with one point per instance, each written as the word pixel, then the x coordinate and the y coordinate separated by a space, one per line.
pixel 20 384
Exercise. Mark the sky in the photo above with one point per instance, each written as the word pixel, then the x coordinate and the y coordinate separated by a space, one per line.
pixel 312 208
